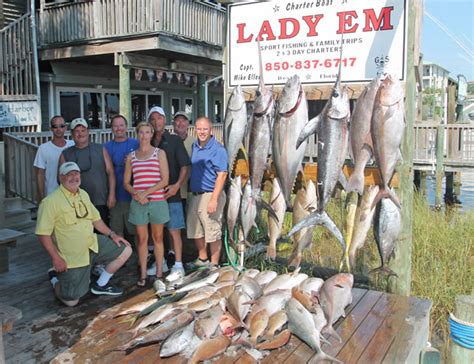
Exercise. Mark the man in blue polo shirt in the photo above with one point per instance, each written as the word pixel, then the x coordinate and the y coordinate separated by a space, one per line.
pixel 207 180
pixel 119 147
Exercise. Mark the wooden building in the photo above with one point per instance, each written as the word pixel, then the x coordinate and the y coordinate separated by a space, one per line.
pixel 97 58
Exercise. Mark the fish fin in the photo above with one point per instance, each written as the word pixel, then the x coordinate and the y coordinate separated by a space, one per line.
pixel 328 329
pixel 310 128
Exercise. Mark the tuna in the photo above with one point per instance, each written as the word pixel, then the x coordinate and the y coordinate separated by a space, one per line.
pixel 292 115
pixel 305 203
pixel 387 127
pixel 360 137
pixel 387 226
pixel 235 124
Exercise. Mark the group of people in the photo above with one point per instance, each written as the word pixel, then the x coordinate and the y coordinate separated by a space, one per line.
pixel 132 188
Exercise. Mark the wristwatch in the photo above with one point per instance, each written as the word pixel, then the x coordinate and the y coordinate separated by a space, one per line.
pixel 112 233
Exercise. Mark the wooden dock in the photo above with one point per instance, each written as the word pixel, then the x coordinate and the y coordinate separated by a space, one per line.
pixel 378 327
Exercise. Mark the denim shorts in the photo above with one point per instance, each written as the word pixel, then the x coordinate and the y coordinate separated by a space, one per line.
pixel 154 212
pixel 176 216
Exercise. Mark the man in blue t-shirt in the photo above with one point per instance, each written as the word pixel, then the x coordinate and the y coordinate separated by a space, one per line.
pixel 118 149
pixel 207 180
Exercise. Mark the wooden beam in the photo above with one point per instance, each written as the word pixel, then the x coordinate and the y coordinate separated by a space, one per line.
pixel 401 263
pixel 313 92
pixel 150 62
pixel 82 50
pixel 131 44
pixel 125 92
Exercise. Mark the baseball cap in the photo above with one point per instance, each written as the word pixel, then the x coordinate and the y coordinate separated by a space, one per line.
pixel 181 113
pixel 77 122
pixel 68 167
pixel 157 109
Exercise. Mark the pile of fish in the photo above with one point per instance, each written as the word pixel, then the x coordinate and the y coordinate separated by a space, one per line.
pixel 374 131
pixel 220 311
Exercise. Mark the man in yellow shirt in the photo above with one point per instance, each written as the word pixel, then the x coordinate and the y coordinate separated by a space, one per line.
pixel 69 215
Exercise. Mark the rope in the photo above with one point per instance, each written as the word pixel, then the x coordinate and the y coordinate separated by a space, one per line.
pixel 462 332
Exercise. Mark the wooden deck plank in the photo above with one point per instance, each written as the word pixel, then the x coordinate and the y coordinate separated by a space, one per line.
pixel 386 333
pixel 356 344
pixel 413 334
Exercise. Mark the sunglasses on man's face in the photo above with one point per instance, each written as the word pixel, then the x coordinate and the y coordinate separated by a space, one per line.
pixel 58 126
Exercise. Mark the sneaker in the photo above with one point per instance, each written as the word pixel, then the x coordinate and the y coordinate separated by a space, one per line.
pixel 52 274
pixel 106 290
pixel 152 270
pixel 198 263
pixel 98 269
pixel 159 285
pixel 176 273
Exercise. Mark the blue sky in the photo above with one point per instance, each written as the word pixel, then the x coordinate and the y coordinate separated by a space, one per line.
pixel 437 47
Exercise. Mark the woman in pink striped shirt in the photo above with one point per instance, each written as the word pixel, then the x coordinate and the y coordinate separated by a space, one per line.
pixel 148 168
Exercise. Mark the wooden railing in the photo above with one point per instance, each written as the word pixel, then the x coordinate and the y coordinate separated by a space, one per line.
pixel 103 19
pixel 17 66
pixel 20 151
pixel 458 146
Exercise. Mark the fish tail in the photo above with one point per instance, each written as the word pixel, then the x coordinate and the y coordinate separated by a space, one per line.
pixel 356 183
pixel 386 193
pixel 328 329
pixel 384 270
pixel 264 204
pixel 320 218
pixel 321 356
pixel 295 260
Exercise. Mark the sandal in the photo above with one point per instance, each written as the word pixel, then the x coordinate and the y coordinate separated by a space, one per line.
pixel 141 282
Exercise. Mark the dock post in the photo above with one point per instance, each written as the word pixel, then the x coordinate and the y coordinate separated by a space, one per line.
pixel 439 164
pixel 463 310
pixel 457 183
pixel 449 195
pixel 401 263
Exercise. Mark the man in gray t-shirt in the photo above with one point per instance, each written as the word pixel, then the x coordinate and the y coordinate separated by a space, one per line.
pixel 97 171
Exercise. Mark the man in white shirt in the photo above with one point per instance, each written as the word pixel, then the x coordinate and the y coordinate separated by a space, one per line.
pixel 47 157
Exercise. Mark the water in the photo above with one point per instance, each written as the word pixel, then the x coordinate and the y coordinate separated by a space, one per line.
pixel 466 196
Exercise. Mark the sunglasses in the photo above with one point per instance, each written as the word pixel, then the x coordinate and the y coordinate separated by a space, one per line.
pixel 58 126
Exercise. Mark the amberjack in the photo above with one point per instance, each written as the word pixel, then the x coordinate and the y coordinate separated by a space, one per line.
pixel 235 124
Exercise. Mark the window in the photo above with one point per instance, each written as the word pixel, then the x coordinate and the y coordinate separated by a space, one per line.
pixel 139 109
pixel 70 105
pixel 112 107
pixel 92 107
pixel 175 105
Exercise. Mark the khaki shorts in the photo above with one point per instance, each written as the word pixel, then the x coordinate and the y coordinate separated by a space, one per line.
pixel 74 283
pixel 119 219
pixel 201 224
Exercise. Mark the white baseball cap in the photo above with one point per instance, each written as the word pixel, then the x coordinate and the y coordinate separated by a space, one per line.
pixel 77 122
pixel 157 109
pixel 68 167
pixel 181 113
